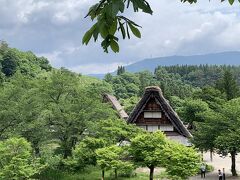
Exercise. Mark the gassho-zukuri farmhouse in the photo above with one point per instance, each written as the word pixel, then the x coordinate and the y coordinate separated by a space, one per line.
pixel 152 113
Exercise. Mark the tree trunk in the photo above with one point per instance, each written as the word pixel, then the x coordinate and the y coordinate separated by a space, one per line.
pixel 102 174
pixel 66 153
pixel 116 176
pixel 211 155
pixel 233 168
pixel 36 147
pixel 37 151
pixel 67 150
pixel 151 172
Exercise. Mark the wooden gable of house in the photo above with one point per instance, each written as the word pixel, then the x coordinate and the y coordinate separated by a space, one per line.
pixel 153 118
pixel 153 112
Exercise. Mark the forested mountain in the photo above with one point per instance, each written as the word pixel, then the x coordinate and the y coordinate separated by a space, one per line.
pixel 227 58
pixel 201 75
pixel 224 58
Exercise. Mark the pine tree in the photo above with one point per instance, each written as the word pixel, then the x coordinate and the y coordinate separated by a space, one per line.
pixel 120 70
pixel 228 85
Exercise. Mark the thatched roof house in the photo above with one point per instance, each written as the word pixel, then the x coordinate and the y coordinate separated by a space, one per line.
pixel 152 113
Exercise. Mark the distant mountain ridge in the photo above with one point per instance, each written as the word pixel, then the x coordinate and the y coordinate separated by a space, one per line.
pixel 223 58
pixel 229 58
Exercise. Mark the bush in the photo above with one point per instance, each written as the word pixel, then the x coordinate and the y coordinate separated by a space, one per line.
pixel 84 154
pixel 127 171
pixel 209 168
pixel 50 159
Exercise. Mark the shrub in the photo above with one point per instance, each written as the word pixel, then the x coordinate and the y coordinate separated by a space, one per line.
pixel 209 168
pixel 51 160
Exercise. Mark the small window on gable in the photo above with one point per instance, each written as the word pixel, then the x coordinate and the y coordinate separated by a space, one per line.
pixel 152 114
pixel 167 128
pixel 152 128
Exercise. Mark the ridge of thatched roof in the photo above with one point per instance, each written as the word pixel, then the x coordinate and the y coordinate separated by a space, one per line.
pixel 156 92
pixel 116 105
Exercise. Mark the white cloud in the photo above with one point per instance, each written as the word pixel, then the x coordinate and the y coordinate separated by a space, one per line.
pixel 53 57
pixel 95 68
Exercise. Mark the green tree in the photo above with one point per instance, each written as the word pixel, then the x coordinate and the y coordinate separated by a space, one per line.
pixel 33 125
pixel 120 70
pixel 44 63
pixel 9 63
pixel 112 157
pixel 2 78
pixel 181 162
pixel 176 102
pixel 11 104
pixel 213 97
pixel 220 131
pixel 154 150
pixel 125 85
pixel 12 60
pixel 146 79
pixel 16 160
pixel 3 47
pixel 84 153
pixel 103 133
pixel 21 111
pixel 228 140
pixel 172 84
pixel 229 143
pixel 113 131
pixel 147 150
pixel 130 103
pixel 206 132
pixel 191 111
pixel 70 107
pixel 228 85
pixel 108 77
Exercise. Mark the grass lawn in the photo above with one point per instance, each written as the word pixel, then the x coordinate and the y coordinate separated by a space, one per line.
pixel 92 173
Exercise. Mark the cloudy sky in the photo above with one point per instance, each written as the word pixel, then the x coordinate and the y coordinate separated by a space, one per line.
pixel 54 28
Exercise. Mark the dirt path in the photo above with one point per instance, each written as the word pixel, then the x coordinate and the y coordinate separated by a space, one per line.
pixel 219 163
pixel 213 176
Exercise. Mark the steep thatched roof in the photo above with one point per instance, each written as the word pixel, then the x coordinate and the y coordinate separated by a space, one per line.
pixel 116 105
pixel 156 92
